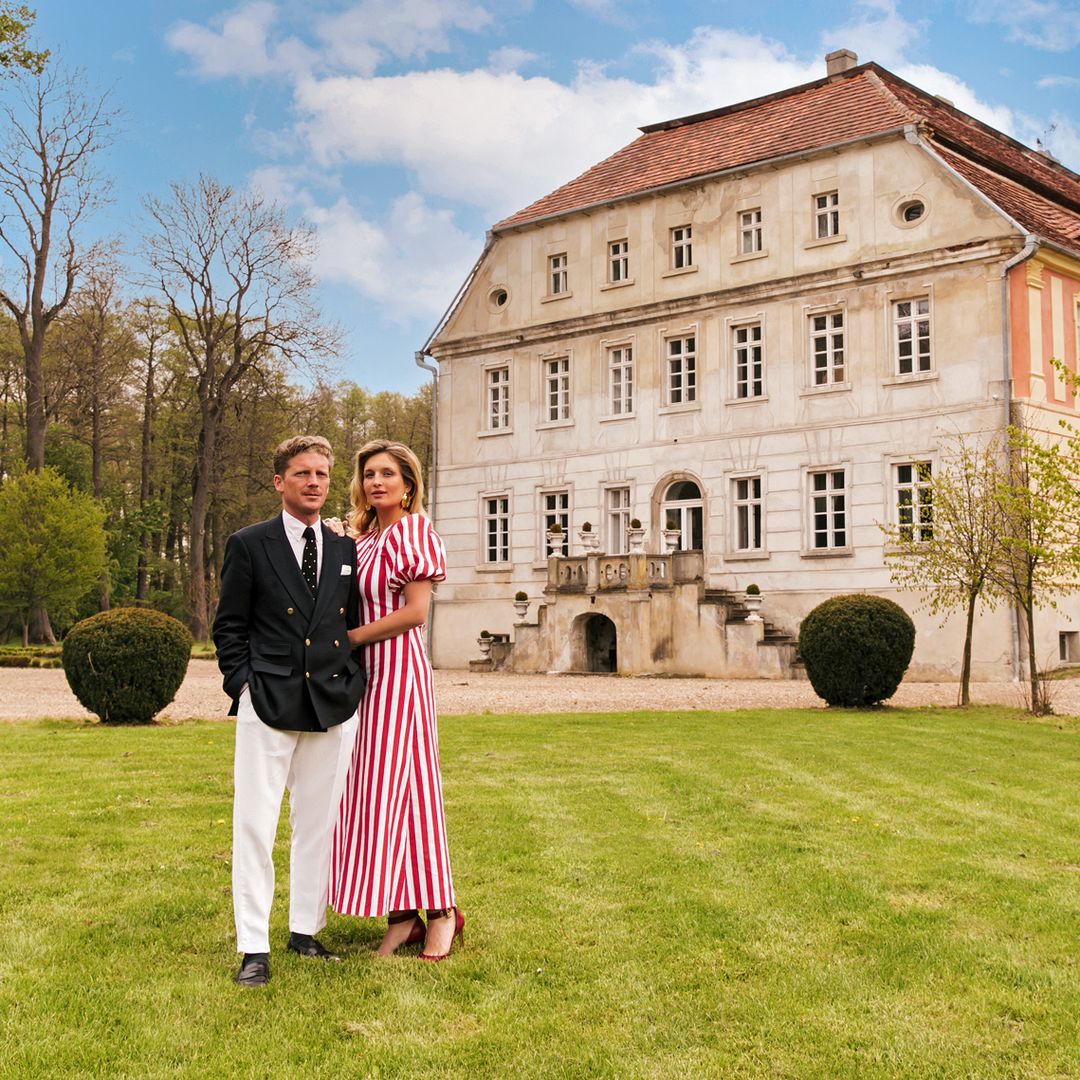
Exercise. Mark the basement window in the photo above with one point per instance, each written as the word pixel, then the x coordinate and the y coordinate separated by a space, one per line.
pixel 1069 646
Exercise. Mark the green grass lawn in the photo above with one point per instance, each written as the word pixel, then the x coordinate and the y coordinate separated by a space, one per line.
pixel 753 894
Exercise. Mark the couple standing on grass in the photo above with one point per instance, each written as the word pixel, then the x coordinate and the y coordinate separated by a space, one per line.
pixel 319 635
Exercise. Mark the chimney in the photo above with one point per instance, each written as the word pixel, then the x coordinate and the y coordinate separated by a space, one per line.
pixel 836 63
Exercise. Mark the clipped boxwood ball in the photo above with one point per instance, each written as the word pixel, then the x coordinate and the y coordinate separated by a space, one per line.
pixel 856 648
pixel 126 665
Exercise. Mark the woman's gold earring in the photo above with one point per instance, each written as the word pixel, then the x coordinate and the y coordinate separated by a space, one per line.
pixel 405 501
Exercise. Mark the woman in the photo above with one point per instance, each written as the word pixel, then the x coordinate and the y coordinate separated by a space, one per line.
pixel 390 853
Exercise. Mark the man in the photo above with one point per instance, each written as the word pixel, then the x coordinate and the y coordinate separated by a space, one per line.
pixel 288 600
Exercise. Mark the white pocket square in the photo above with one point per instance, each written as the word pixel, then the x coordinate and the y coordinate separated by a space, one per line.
pixel 346 569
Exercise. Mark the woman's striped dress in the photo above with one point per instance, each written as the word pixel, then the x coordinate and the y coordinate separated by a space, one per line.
pixel 389 849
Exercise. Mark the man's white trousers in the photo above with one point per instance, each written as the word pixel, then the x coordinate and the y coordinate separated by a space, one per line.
pixel 313 766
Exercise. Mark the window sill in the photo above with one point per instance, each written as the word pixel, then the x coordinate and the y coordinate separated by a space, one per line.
pixel 829 388
pixel 616 417
pixel 682 407
pixel 750 256
pixel 915 377
pixel 549 425
pixel 824 241
pixel 828 553
pixel 489 434
pixel 746 556
pixel 552 297
pixel 494 568
pixel 681 270
pixel 761 399
pixel 616 284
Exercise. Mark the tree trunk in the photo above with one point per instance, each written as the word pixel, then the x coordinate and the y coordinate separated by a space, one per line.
pixel 142 581
pixel 965 670
pixel 1038 706
pixel 200 500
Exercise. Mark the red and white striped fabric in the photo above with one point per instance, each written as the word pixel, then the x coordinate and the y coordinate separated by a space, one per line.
pixel 389 851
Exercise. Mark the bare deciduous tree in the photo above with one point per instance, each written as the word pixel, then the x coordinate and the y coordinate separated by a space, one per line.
pixel 238 282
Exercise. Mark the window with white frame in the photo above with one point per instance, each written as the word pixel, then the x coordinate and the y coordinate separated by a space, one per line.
pixel 828 509
pixel 827 215
pixel 557 389
pixel 498 398
pixel 682 508
pixel 617 507
pixel 555 510
pixel 682 247
pixel 558 282
pixel 496 528
pixel 749 351
pixel 750 231
pixel 621 379
pixel 618 261
pixel 914 501
pixel 682 370
pixel 911 335
pixel 749 522
pixel 827 348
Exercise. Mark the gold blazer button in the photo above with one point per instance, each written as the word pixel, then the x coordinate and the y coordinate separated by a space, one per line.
pixel 337 644
pixel 307 674
pixel 341 611
pixel 288 611
pixel 307 641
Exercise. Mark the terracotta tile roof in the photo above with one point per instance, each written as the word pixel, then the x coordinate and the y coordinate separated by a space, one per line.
pixel 866 101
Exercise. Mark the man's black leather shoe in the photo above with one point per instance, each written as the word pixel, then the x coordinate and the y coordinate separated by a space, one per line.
pixel 306 945
pixel 254 969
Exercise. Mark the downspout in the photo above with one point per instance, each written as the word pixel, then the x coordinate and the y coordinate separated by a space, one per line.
pixel 1031 245
pixel 433 369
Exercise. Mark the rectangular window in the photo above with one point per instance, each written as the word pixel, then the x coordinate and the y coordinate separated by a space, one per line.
pixel 911 335
pixel 498 398
pixel 914 501
pixel 621 379
pixel 827 215
pixel 557 388
pixel 617 502
pixel 827 347
pixel 557 278
pixel 497 529
pixel 682 247
pixel 748 517
pixel 828 510
pixel 750 231
pixel 619 261
pixel 681 370
pixel 556 511
pixel 749 361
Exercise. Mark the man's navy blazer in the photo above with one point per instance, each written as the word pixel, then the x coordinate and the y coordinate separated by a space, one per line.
pixel 291 648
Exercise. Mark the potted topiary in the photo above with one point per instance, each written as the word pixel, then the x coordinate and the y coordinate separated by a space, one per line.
pixel 672 532
pixel 484 641
pixel 635 537
pixel 556 539
pixel 590 541
pixel 752 601
pixel 521 605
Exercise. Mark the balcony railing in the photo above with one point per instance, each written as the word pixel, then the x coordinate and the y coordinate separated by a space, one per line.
pixel 602 573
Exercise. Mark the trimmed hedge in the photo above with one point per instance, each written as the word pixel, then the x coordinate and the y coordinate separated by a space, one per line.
pixel 856 648
pixel 126 665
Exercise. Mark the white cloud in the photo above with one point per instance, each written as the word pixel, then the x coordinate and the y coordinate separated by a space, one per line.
pixel 498 139
pixel 412 263
pixel 935 81
pixel 879 34
pixel 1049 82
pixel 1044 24
pixel 359 37
pixel 237 44
pixel 510 59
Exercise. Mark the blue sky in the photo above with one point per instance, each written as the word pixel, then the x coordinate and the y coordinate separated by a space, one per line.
pixel 402 129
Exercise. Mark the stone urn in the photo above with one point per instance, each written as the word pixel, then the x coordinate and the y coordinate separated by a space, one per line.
pixel 484 641
pixel 635 537
pixel 521 607
pixel 556 540
pixel 590 541
pixel 671 540
pixel 752 602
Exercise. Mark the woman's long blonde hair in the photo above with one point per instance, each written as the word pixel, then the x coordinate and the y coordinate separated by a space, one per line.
pixel 361 517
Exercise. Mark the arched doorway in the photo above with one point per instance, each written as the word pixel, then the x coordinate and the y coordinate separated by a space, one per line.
pixel 682 503
pixel 601 652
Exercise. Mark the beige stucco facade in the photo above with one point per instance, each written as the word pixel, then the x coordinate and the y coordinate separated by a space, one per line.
pixel 859 427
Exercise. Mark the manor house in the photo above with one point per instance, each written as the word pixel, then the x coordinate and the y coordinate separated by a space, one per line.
pixel 734 348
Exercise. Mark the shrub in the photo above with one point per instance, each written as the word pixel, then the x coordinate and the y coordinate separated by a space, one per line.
pixel 673 524
pixel 555 528
pixel 485 633
pixel 126 665
pixel 520 596
pixel 586 526
pixel 856 648
pixel 753 590
pixel 635 523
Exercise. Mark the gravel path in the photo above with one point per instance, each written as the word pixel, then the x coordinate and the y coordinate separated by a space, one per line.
pixel 34 692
